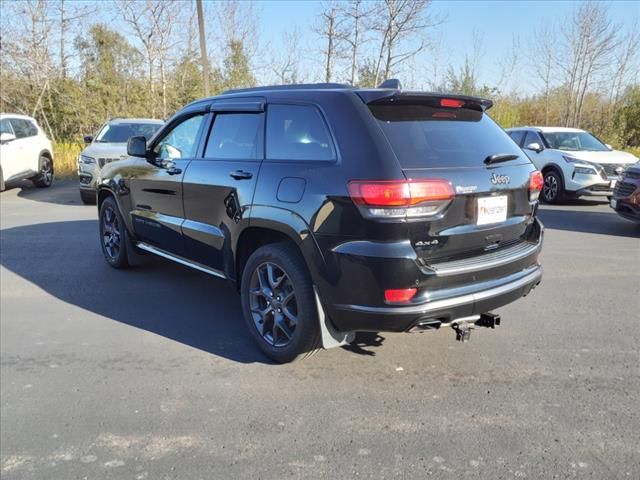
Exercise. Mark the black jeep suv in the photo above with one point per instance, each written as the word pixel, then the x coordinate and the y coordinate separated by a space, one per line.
pixel 333 209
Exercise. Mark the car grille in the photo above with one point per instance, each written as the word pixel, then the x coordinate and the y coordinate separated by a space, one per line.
pixel 604 175
pixel 610 168
pixel 600 188
pixel 103 161
pixel 623 189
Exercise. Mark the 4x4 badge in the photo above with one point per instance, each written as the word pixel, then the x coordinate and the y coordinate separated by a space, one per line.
pixel 499 179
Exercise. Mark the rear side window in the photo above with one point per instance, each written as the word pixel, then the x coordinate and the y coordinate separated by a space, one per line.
pixel 517 136
pixel 297 132
pixel 234 136
pixel 424 136
pixel 23 128
pixel 5 126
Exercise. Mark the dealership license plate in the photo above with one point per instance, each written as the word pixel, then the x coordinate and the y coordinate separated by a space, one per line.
pixel 614 203
pixel 492 210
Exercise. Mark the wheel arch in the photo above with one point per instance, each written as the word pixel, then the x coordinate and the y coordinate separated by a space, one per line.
pixel 553 167
pixel 264 229
pixel 46 153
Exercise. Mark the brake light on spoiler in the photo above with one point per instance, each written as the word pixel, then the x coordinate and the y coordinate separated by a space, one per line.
pixel 401 198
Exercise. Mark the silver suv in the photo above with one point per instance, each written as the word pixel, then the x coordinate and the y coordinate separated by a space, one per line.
pixel 109 145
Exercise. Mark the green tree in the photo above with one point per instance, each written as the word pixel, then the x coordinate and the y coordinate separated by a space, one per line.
pixel 237 71
pixel 628 120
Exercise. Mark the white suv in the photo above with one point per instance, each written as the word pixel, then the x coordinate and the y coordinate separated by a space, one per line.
pixel 574 162
pixel 25 151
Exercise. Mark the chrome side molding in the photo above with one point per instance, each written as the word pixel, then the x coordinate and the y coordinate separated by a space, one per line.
pixel 178 259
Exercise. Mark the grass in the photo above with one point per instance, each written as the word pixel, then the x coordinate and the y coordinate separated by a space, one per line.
pixel 66 159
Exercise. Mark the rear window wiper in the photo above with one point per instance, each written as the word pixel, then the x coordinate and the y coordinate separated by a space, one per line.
pixel 500 157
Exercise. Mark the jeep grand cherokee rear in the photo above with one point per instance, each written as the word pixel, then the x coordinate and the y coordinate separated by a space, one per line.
pixel 333 209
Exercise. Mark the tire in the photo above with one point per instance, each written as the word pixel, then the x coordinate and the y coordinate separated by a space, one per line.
pixel 279 273
pixel 113 234
pixel 552 188
pixel 44 178
pixel 1 180
pixel 88 198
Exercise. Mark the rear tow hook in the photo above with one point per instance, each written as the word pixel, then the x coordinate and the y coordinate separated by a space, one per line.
pixel 463 326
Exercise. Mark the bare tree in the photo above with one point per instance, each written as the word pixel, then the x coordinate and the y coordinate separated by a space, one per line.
pixel 401 23
pixel 589 41
pixel 543 64
pixel 70 14
pixel 286 66
pixel 152 22
pixel 331 30
pixel 356 13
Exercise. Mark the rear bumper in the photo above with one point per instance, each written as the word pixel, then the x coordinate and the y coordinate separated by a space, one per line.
pixel 454 303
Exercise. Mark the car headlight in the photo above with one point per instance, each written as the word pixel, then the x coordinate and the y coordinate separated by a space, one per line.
pixel 585 170
pixel 87 159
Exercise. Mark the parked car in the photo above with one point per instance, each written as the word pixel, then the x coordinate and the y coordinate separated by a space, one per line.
pixel 333 209
pixel 574 162
pixel 109 145
pixel 25 151
pixel 626 195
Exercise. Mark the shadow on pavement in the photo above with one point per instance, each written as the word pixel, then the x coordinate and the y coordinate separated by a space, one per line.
pixel 364 341
pixel 65 260
pixel 61 192
pixel 605 223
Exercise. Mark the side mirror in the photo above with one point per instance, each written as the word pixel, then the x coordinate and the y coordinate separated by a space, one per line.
pixel 608 146
pixel 137 147
pixel 7 137
pixel 535 146
pixel 88 139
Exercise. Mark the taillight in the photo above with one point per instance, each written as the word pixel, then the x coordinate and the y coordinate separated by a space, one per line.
pixel 536 182
pixel 402 295
pixel 400 198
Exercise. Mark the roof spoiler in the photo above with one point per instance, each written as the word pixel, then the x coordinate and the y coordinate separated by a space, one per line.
pixel 430 98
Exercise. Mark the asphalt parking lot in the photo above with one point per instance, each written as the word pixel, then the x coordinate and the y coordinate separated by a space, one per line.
pixel 149 373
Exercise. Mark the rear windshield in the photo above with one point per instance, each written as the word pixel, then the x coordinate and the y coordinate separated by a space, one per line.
pixel 120 132
pixel 424 136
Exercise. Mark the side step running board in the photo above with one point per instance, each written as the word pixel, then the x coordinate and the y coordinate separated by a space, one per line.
pixel 178 259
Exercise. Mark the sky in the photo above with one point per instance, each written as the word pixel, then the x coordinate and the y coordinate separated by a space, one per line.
pixel 495 21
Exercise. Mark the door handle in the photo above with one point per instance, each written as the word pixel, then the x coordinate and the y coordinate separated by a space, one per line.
pixel 174 170
pixel 241 175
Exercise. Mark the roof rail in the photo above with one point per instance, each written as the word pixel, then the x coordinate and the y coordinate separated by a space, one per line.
pixel 293 86
pixel 393 83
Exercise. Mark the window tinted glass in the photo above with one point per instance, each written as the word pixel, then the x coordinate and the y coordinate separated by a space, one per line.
pixel 517 136
pixel 424 136
pixel 573 141
pixel 5 126
pixel 120 132
pixel 181 141
pixel 23 128
pixel 234 136
pixel 297 132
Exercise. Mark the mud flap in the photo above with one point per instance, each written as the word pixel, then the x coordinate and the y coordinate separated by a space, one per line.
pixel 134 257
pixel 331 338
